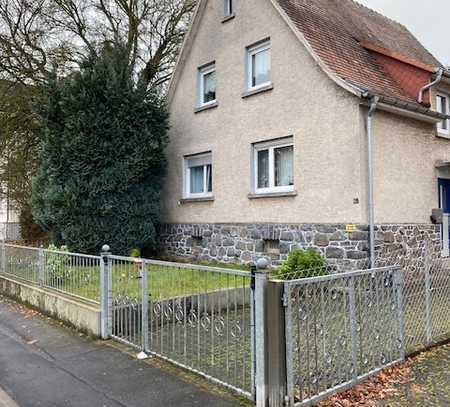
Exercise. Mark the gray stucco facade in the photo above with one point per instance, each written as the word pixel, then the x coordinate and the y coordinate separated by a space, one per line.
pixel 327 125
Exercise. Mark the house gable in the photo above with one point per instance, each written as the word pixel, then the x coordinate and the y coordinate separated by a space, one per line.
pixel 303 103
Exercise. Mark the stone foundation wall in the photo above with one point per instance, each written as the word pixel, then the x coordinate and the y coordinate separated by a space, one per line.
pixel 245 243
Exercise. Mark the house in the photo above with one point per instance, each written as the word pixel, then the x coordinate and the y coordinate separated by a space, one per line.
pixel 304 123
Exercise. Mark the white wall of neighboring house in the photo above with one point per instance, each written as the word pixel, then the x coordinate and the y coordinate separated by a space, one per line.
pixel 9 220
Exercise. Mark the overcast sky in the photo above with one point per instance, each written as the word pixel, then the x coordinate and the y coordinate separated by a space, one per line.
pixel 427 20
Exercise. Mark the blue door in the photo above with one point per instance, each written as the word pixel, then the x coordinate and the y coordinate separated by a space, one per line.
pixel 444 195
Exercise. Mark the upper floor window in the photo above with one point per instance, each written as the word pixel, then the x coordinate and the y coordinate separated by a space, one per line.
pixel 259 66
pixel 443 106
pixel 198 176
pixel 228 8
pixel 273 166
pixel 207 85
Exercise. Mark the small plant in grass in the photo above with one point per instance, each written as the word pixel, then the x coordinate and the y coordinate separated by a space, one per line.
pixel 302 264
pixel 135 253
pixel 57 264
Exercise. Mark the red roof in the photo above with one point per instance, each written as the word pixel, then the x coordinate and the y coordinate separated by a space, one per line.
pixel 363 47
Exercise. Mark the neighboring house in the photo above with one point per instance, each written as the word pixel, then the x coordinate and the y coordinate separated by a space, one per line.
pixel 272 143
pixel 9 221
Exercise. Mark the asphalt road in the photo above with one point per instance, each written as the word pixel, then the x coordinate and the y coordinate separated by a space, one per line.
pixel 44 364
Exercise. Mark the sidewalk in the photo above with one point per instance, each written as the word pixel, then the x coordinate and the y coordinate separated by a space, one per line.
pixel 45 364
pixel 422 381
pixel 429 382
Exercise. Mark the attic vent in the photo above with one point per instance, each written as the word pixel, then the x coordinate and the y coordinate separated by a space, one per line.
pixel 196 232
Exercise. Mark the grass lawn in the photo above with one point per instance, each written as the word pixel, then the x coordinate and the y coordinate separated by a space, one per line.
pixel 163 282
pixel 169 282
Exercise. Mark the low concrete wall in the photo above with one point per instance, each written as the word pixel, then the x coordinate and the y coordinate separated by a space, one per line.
pixel 82 316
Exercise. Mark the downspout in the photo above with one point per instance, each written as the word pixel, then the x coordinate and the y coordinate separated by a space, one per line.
pixel 373 106
pixel 430 85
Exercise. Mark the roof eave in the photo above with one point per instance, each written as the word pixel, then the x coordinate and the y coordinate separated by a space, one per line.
pixel 406 109
pixel 387 104
pixel 185 48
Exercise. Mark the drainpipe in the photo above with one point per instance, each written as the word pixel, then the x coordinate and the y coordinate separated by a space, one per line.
pixel 373 106
pixel 440 73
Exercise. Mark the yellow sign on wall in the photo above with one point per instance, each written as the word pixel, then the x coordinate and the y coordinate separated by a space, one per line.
pixel 351 228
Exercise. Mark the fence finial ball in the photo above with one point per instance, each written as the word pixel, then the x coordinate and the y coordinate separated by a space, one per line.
pixel 262 264
pixel 105 248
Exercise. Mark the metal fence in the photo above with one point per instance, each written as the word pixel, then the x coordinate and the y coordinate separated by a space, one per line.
pixel 426 293
pixel 296 340
pixel 340 329
pixel 73 274
pixel 197 317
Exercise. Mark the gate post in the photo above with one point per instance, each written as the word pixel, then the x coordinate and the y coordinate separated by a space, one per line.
pixel 277 301
pixel 259 274
pixel 105 292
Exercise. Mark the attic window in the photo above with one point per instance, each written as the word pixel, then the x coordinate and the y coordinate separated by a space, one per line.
pixel 443 106
pixel 258 66
pixel 207 85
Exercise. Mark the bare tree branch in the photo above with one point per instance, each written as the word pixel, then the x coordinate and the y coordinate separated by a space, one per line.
pixel 37 36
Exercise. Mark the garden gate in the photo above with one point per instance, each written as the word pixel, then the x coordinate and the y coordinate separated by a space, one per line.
pixel 340 329
pixel 200 318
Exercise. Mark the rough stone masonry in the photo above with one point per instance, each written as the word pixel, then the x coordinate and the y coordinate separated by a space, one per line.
pixel 245 243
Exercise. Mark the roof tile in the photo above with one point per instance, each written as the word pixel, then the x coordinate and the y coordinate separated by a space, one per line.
pixel 337 31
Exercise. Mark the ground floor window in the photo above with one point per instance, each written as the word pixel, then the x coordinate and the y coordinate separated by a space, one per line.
pixel 273 166
pixel 198 176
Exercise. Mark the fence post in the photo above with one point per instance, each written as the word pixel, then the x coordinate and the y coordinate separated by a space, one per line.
pixel 105 292
pixel 3 263
pixel 260 332
pixel 144 322
pixel 41 267
pixel 427 266
pixel 445 235
pixel 399 283
pixel 353 327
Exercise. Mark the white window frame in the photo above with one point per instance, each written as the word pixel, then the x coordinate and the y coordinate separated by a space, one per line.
pixel 271 146
pixel 252 50
pixel 228 8
pixel 446 131
pixel 203 159
pixel 202 72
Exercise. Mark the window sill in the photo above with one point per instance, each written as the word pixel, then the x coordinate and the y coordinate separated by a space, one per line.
pixel 228 18
pixel 252 92
pixel 443 134
pixel 206 107
pixel 272 195
pixel 194 200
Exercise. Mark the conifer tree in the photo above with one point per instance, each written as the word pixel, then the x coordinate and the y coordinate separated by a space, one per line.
pixel 102 157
